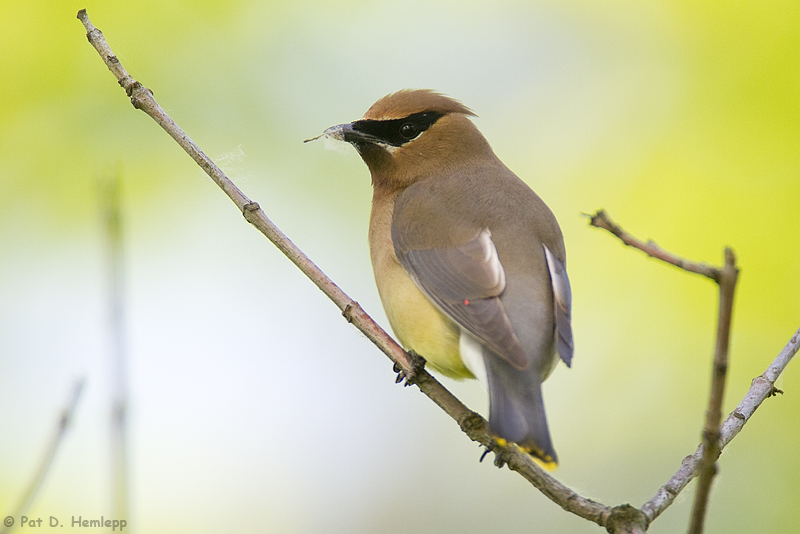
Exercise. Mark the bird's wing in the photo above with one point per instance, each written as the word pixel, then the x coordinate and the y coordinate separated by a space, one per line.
pixel 465 282
pixel 562 300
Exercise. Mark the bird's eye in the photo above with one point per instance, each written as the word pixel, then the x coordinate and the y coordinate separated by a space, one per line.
pixel 409 130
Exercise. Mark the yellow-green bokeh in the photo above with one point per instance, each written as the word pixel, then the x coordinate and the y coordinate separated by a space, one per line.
pixel 254 407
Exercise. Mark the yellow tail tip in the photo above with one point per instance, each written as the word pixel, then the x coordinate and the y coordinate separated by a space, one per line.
pixel 545 461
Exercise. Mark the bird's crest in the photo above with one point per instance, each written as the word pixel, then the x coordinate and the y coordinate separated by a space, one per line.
pixel 409 101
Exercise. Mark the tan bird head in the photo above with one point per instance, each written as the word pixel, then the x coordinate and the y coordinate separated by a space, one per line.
pixel 405 136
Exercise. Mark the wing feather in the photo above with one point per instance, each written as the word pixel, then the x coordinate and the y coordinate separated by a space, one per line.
pixel 465 282
pixel 562 298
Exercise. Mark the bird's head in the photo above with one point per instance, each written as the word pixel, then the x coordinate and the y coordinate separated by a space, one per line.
pixel 411 135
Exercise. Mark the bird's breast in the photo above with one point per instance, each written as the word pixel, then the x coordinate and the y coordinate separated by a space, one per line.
pixel 415 320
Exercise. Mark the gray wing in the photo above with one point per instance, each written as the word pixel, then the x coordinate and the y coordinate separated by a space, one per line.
pixel 465 282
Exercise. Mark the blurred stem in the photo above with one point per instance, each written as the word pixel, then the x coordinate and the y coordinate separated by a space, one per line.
pixel 64 420
pixel 111 190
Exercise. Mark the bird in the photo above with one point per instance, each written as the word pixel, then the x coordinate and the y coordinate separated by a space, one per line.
pixel 469 262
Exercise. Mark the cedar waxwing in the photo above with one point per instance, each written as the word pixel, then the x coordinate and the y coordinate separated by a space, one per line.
pixel 468 260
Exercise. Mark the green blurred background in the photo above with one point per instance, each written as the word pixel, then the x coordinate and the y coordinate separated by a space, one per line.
pixel 254 406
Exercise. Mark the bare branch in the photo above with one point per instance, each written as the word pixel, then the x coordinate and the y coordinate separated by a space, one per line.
pixel 602 220
pixel 714 441
pixel 470 422
pixel 711 448
pixel 762 388
pixel 553 489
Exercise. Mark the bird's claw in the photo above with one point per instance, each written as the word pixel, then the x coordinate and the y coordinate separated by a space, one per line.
pixel 417 365
pixel 498 447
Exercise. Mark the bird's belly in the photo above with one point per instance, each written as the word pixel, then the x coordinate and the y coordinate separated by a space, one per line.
pixel 419 325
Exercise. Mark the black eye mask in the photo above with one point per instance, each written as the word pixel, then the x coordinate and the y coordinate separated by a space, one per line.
pixel 397 132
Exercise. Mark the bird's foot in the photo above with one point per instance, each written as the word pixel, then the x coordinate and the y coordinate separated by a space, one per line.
pixel 499 447
pixel 417 365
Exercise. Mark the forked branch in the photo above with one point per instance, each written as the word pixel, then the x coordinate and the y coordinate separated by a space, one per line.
pixel 703 461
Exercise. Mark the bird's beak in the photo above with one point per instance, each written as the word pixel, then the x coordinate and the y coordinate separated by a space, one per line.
pixel 340 132
pixel 346 133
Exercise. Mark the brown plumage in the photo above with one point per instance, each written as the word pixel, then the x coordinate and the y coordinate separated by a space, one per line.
pixel 468 260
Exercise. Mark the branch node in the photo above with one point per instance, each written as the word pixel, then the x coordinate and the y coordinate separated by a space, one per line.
pixel 473 425
pixel 601 220
pixel 625 519
pixel 347 312
pixel 93 35
pixel 672 490
pixel 141 96
pixel 249 210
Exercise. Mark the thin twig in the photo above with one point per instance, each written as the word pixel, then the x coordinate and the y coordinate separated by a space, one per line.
pixel 704 458
pixel 64 420
pixel 726 279
pixel 601 220
pixel 711 448
pixel 761 389
pixel 472 424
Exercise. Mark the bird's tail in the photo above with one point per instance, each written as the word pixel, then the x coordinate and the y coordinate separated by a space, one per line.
pixel 516 408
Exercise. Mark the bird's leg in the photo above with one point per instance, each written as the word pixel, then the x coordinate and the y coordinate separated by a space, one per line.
pixel 417 365
pixel 500 450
